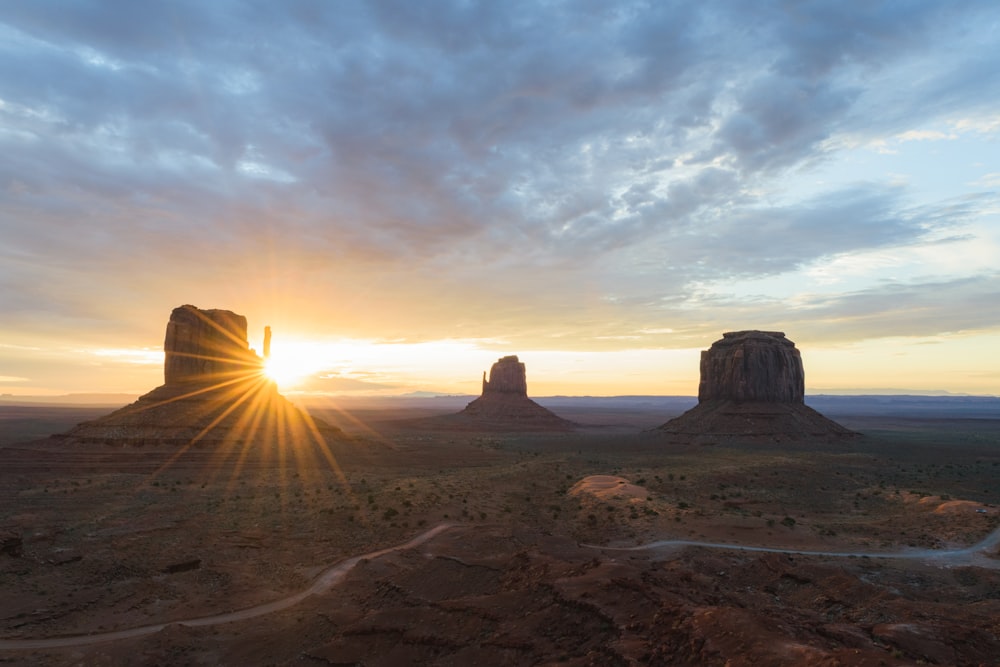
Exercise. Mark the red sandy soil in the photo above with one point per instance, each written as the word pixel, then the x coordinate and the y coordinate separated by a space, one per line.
pixel 115 538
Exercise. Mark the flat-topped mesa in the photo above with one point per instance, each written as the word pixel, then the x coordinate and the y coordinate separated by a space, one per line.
pixel 752 389
pixel 507 376
pixel 752 366
pixel 206 345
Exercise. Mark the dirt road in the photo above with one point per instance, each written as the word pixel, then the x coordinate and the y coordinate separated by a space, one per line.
pixel 964 556
pixel 325 580
pixel 967 555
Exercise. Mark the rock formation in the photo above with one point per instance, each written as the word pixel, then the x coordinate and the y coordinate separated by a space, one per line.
pixel 504 406
pixel 752 387
pixel 203 344
pixel 507 376
pixel 214 391
pixel 752 366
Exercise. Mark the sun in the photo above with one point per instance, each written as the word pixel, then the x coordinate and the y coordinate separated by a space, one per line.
pixel 292 365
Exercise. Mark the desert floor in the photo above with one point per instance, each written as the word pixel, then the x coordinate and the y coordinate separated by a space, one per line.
pixel 119 538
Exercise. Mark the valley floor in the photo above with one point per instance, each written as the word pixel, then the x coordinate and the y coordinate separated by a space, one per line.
pixel 123 538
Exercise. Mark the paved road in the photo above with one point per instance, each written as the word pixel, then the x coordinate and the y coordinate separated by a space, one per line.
pixel 329 577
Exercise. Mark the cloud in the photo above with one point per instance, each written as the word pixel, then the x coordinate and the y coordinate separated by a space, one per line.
pixel 991 180
pixel 925 135
pixel 339 383
pixel 888 310
pixel 425 170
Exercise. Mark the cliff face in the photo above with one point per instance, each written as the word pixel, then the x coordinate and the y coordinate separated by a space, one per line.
pixel 206 345
pixel 507 376
pixel 752 366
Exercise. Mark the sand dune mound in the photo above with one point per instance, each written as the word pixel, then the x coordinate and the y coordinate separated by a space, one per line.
pixel 605 487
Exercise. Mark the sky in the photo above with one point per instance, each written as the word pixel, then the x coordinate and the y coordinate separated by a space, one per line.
pixel 407 191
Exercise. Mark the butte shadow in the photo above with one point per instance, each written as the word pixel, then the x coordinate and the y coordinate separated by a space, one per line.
pixel 752 389
pixel 503 407
pixel 214 393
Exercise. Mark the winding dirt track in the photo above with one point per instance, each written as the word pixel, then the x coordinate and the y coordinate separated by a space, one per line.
pixel 963 556
pixel 334 574
pixel 324 581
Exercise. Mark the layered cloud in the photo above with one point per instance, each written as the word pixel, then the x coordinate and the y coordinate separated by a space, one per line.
pixel 560 175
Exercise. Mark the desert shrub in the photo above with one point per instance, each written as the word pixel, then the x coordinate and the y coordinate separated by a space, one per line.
pixel 788 521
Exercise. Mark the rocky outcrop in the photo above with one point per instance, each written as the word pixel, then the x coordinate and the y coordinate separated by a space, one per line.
pixel 507 376
pixel 504 406
pixel 752 366
pixel 201 344
pixel 752 388
pixel 214 391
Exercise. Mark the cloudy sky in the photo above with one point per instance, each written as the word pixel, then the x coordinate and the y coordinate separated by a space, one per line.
pixel 406 191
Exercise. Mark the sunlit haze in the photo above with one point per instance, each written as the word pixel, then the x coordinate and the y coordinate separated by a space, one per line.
pixel 406 194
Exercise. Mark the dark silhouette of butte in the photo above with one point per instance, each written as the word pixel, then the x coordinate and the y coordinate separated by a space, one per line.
pixel 214 390
pixel 752 388
pixel 504 404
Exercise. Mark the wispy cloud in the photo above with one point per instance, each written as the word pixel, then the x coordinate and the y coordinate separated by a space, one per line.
pixel 552 174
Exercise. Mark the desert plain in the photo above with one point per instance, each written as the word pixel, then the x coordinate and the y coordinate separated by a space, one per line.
pixel 550 548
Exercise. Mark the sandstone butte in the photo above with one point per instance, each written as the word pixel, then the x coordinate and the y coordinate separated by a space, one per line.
pixel 504 404
pixel 752 388
pixel 214 390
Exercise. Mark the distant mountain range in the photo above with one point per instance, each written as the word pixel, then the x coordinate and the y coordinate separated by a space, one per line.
pixel 905 403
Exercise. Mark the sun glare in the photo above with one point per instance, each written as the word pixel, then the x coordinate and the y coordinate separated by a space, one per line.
pixel 291 365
